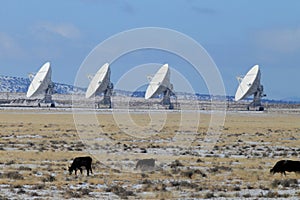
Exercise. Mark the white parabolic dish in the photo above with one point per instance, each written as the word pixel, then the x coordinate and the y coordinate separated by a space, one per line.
pixel 99 82
pixel 249 84
pixel 159 83
pixel 41 81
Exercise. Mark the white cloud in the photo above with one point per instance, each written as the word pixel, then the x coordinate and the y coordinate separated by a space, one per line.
pixel 281 41
pixel 9 47
pixel 203 10
pixel 68 31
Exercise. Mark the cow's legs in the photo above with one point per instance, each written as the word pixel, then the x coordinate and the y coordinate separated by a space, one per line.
pixel 89 169
pixel 283 173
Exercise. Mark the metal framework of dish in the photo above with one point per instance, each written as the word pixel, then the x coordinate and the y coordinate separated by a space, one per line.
pixel 160 84
pixel 42 84
pixel 250 85
pixel 101 83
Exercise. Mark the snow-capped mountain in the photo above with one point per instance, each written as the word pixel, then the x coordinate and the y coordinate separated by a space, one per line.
pixel 16 84
pixel 20 85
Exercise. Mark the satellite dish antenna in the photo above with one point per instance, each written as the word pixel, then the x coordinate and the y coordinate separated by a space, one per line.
pixel 250 85
pixel 101 83
pixel 42 84
pixel 160 84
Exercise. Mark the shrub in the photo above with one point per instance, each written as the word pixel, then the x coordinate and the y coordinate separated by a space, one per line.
pixel 84 191
pixel 209 195
pixel 285 183
pixel 17 186
pixel 237 188
pixel 49 178
pixel 219 168
pixel 10 162
pixel 72 194
pixel 21 191
pixel 3 198
pixel 188 173
pixel 39 187
pixel 34 194
pixel 176 163
pixel 23 168
pixel 120 191
pixel 272 194
pixel 248 195
pixel 12 175
pixel 183 184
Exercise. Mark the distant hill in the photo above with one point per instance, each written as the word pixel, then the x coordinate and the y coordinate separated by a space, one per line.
pixel 291 99
pixel 16 84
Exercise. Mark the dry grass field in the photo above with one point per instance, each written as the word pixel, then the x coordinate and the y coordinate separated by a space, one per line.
pixel 38 145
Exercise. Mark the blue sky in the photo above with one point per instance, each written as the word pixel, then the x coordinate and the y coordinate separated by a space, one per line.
pixel 236 33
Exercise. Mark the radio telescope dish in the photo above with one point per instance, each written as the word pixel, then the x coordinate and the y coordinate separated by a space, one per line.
pixel 160 84
pixel 250 85
pixel 100 83
pixel 42 84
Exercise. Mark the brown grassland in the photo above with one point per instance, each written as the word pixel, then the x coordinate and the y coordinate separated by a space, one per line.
pixel 36 149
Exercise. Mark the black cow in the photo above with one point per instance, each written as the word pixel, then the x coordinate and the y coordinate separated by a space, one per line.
pixel 80 162
pixel 286 165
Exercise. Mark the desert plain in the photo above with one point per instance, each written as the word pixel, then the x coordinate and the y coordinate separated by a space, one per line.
pixel 38 145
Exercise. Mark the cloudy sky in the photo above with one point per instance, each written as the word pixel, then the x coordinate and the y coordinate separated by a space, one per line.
pixel 237 34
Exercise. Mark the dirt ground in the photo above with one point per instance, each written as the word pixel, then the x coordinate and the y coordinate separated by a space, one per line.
pixel 38 145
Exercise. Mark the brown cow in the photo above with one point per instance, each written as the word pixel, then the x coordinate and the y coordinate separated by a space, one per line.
pixel 145 164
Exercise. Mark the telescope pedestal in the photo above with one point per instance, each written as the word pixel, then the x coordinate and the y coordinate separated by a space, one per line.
pixel 106 101
pixel 48 97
